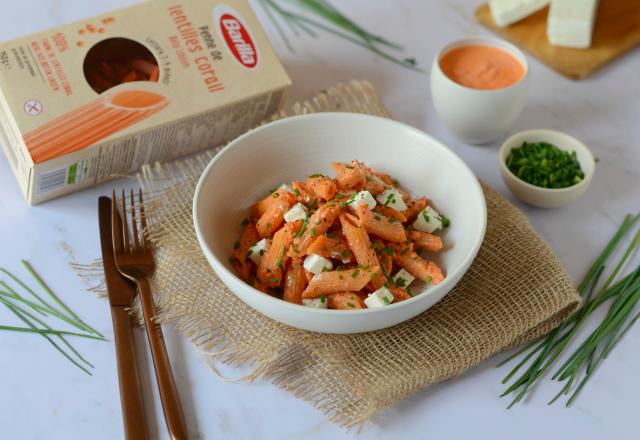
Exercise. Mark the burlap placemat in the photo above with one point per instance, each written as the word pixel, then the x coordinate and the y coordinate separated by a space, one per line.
pixel 515 290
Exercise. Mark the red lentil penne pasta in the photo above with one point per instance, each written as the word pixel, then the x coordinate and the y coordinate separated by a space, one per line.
pixel 362 246
pixel 380 225
pixel 335 248
pixel 420 268
pixel 302 193
pixel 318 224
pixel 345 301
pixel 91 123
pixel 349 176
pixel 390 212
pixel 339 281
pixel 274 260
pixel 414 207
pixel 399 294
pixel 273 217
pixel 261 207
pixel 359 243
pixel 426 241
pixel 248 238
pixel 321 186
pixel 295 282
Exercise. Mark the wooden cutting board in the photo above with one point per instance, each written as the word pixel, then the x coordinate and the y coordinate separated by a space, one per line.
pixel 616 31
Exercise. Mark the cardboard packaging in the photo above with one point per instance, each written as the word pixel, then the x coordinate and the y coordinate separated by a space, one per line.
pixel 98 98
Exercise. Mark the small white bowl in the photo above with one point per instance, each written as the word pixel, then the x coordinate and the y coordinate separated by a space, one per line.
pixel 546 197
pixel 295 147
pixel 478 116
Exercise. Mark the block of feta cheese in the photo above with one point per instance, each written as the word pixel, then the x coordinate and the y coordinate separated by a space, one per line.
pixel 392 198
pixel 257 250
pixel 379 298
pixel 506 12
pixel 315 264
pixel 297 212
pixel 428 220
pixel 570 23
pixel 362 196
pixel 316 303
pixel 403 278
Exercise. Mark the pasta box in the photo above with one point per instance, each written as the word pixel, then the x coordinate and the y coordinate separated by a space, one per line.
pixel 98 98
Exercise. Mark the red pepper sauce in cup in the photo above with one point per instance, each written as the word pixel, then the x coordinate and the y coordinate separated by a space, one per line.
pixel 482 67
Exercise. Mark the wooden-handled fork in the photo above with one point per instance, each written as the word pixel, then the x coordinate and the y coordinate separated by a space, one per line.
pixel 134 259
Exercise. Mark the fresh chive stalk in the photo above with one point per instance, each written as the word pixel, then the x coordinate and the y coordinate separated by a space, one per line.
pixel 22 308
pixel 542 353
pixel 330 20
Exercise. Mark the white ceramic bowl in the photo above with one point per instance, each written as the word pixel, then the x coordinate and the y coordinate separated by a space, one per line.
pixel 478 116
pixel 547 197
pixel 292 149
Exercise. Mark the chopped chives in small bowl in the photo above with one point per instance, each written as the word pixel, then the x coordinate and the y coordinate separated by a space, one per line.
pixel 545 165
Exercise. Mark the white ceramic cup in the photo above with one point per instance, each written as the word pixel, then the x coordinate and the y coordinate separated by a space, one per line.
pixel 478 116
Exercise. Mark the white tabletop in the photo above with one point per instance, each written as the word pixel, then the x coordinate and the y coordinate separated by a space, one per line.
pixel 45 397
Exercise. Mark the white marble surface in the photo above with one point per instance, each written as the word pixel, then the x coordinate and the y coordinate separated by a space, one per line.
pixel 44 397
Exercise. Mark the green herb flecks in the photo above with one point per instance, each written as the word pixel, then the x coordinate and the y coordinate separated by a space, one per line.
pixel 545 165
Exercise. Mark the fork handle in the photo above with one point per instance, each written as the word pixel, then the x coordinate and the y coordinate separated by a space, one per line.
pixel 133 416
pixel 168 392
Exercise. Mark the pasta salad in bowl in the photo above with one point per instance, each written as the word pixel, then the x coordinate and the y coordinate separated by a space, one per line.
pixel 339 223
pixel 345 243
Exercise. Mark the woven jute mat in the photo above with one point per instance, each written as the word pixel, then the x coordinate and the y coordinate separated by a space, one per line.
pixel 515 290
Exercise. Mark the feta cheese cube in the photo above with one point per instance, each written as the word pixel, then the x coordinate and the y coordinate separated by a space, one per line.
pixel 403 278
pixel 506 12
pixel 297 212
pixel 392 198
pixel 287 188
pixel 257 250
pixel 379 298
pixel 570 22
pixel 362 196
pixel 316 303
pixel 315 264
pixel 428 220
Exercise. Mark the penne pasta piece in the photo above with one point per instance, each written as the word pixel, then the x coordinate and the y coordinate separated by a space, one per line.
pixel 358 241
pixel 399 294
pixel 274 260
pixel 130 77
pixel 345 301
pixel 273 218
pixel 414 206
pixel 390 212
pixel 335 248
pixel 420 268
pixel 308 275
pixel 349 176
pixel 261 207
pixel 386 262
pixel 426 241
pixel 241 247
pixel 155 75
pixel 302 193
pixel 316 225
pixel 321 186
pixel 380 225
pixel 295 282
pixel 339 281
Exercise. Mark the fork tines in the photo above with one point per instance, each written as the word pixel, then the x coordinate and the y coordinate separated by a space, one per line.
pixel 121 240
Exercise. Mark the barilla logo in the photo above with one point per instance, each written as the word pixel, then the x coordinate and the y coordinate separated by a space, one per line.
pixel 236 35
